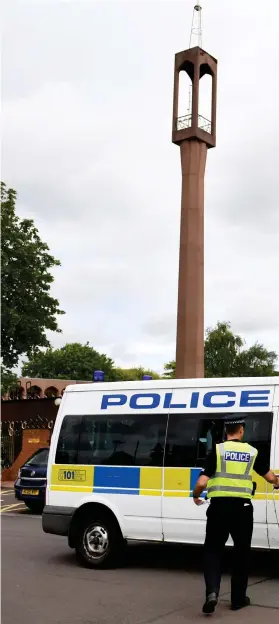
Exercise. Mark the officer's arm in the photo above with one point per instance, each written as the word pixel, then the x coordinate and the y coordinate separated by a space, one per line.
pixel 199 488
pixel 261 467
pixel 272 478
pixel 207 473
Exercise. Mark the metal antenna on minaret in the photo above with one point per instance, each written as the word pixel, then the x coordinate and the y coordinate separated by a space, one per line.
pixel 195 39
pixel 196 29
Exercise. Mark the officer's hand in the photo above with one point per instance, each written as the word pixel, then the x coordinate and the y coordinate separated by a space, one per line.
pixel 198 501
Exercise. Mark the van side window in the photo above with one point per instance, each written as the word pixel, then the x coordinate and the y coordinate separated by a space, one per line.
pixel 139 440
pixel 190 439
pixel 258 433
pixel 135 440
pixel 211 432
pixel 67 446
pixel 181 444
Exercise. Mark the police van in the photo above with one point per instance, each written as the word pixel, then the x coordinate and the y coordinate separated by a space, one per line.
pixel 125 456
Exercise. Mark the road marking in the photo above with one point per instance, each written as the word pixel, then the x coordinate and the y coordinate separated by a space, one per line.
pixel 9 507
pixel 11 514
pixel 7 492
pixel 13 506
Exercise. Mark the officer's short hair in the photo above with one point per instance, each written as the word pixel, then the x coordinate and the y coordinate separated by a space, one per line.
pixel 233 425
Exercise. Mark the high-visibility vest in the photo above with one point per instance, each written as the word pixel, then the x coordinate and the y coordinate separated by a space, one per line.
pixel 234 469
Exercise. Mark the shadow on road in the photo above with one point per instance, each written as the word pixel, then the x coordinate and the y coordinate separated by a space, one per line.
pixel 181 557
pixel 187 557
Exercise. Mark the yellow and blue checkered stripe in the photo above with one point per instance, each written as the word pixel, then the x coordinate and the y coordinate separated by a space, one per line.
pixel 136 481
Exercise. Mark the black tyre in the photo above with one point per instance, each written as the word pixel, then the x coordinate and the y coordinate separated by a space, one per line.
pixel 99 542
pixel 35 507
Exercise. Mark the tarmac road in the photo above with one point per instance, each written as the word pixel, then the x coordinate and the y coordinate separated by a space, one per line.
pixel 42 583
pixel 10 504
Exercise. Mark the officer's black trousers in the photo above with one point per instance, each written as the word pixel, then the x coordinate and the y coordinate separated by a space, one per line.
pixel 228 517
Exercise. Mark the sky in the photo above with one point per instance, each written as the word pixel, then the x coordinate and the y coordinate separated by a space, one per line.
pixel 87 113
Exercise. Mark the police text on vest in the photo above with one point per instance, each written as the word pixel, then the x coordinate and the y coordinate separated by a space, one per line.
pixel 237 456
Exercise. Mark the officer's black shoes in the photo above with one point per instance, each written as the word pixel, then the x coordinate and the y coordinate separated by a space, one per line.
pixel 210 603
pixel 212 600
pixel 236 606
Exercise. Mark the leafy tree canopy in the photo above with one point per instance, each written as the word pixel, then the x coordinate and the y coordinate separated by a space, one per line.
pixel 225 356
pixel 169 370
pixel 76 361
pixel 131 374
pixel 73 361
pixel 8 381
pixel 28 310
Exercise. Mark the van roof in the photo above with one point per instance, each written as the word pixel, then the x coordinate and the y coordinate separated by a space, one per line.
pixel 164 384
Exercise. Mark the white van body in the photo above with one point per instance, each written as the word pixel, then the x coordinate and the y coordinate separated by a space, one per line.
pixel 158 433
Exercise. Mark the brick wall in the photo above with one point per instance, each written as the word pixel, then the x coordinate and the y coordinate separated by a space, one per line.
pixel 32 440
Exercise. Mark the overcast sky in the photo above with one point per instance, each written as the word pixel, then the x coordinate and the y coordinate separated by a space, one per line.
pixel 87 112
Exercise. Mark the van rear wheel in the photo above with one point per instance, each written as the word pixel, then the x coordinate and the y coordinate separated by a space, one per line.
pixel 99 542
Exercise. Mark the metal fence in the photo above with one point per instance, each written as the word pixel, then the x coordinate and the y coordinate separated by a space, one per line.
pixel 7 450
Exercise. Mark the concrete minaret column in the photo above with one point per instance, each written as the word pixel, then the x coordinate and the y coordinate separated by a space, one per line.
pixel 190 311
pixel 194 134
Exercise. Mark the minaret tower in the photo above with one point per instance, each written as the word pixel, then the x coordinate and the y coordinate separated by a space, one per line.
pixel 194 134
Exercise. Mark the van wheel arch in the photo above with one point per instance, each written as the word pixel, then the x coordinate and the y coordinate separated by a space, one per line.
pixel 90 510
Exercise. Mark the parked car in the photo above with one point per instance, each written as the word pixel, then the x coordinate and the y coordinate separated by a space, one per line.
pixel 30 486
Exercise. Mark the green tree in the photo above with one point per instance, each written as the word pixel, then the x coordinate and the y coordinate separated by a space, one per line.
pixel 169 370
pixel 132 374
pixel 73 361
pixel 221 351
pixel 225 356
pixel 256 362
pixel 8 380
pixel 28 310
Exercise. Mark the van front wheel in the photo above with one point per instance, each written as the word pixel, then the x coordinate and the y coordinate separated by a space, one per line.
pixel 99 543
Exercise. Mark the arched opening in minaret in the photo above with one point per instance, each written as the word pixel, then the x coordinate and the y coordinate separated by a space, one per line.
pixel 205 100
pixel 184 101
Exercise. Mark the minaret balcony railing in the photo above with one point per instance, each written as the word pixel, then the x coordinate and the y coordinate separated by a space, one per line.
pixel 182 123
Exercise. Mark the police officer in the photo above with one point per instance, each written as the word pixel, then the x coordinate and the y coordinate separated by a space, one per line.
pixel 228 478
